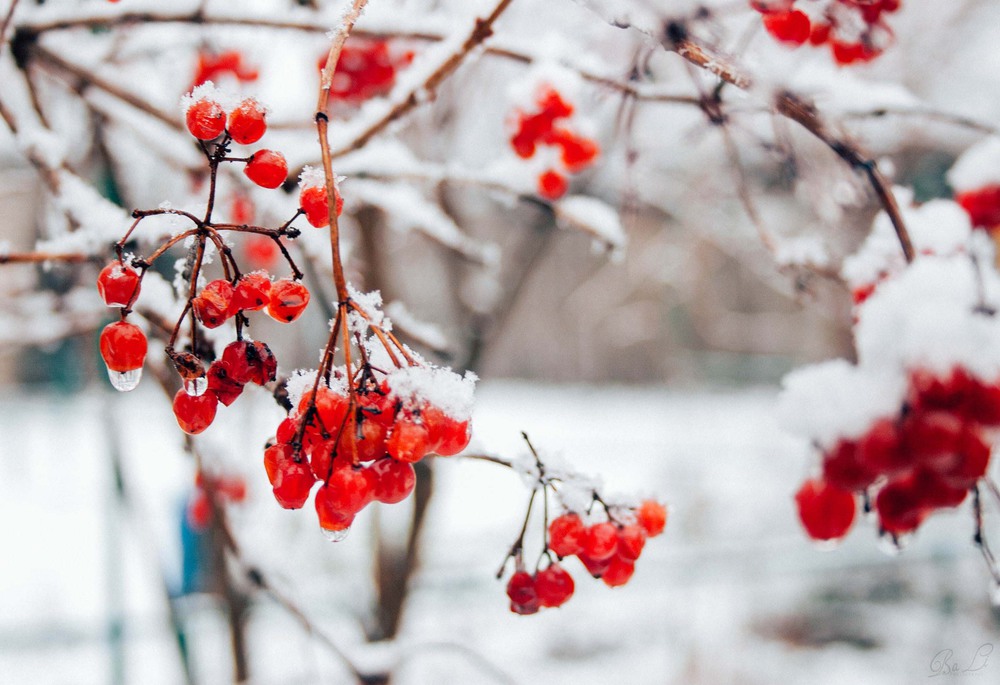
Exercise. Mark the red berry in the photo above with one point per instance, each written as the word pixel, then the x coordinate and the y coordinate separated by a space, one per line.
pixel 213 305
pixel 826 511
pixel 631 540
pixel 844 467
pixel 292 482
pixel 252 292
pixel 899 507
pixel 553 586
pixel 368 440
pixel 523 596
pixel 566 535
pixel 199 511
pixel 446 435
pixel 286 430
pixel 792 28
pixel 982 205
pixel 932 437
pixel 330 517
pixel 123 346
pixel 274 456
pixel 652 516
pixel 552 185
pixel 205 119
pixel 553 105
pixel 394 480
pixel 261 251
pixel 118 285
pixel 577 152
pixel 288 300
pixel 267 168
pixel 600 541
pixel 594 567
pixel 222 384
pixel 618 572
pixel 351 489
pixel 408 441
pixel 312 200
pixel 820 33
pixel 194 413
pixel 246 122
pixel 880 451
pixel 211 67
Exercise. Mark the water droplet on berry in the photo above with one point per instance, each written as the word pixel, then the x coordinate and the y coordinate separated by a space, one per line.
pixel 196 387
pixel 335 535
pixel 123 381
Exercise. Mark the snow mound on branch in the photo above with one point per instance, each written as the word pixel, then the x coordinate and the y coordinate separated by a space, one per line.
pixel 836 399
pixel 594 217
pixel 438 386
pixel 977 167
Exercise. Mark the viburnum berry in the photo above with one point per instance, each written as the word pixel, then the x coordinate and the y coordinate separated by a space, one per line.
pixel 631 540
pixel 368 441
pixel 394 480
pixel 194 413
pixel 118 285
pixel 982 205
pixel 246 122
pixel 618 572
pixel 899 507
pixel 222 384
pixel 230 62
pixel 313 201
pixel 792 28
pixel 523 596
pixel 213 305
pixel 446 435
pixel 206 120
pixel 331 519
pixel 292 482
pixel 552 185
pixel 199 511
pixel 600 541
pixel 826 511
pixel 408 441
pixel 566 535
pixel 595 567
pixel 250 362
pixel 553 586
pixel 351 489
pixel 274 456
pixel 578 152
pixel 288 300
pixel 652 516
pixel 252 292
pixel 262 251
pixel 267 168
pixel 123 346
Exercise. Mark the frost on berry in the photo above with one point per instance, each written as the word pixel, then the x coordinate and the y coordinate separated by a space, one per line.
pixel 246 122
pixel 118 284
pixel 205 119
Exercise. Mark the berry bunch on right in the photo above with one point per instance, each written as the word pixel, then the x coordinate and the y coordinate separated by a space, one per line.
pixel 855 30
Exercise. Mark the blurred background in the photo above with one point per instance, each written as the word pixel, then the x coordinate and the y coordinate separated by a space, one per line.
pixel 655 363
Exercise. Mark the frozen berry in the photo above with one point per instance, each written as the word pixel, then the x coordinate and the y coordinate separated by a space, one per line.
pixel 313 201
pixel 252 292
pixel 246 122
pixel 194 413
pixel 213 305
pixel 826 512
pixel 288 300
pixel 123 346
pixel 600 541
pixel 118 285
pixel 566 535
pixel 521 591
pixel 267 168
pixel 394 480
pixel 292 482
pixel 206 119
pixel 408 441
pixel 618 572
pixel 652 516
pixel 552 185
pixel 553 586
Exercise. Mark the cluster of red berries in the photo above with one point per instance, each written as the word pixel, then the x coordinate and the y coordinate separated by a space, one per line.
pixel 207 120
pixel 927 457
pixel 544 127
pixel 366 69
pixel 227 64
pixel 360 446
pixel 225 489
pixel 837 27
pixel 123 344
pixel 608 550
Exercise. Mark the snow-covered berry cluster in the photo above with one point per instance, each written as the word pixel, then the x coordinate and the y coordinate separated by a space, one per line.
pixel 908 425
pixel 357 429
pixel 855 30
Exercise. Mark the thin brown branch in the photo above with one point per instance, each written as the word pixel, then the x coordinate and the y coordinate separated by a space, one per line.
pixel 482 29
pixel 42 257
pixel 7 21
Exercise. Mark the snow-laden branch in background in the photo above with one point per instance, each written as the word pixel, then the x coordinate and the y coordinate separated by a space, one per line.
pixel 422 332
pixel 410 210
